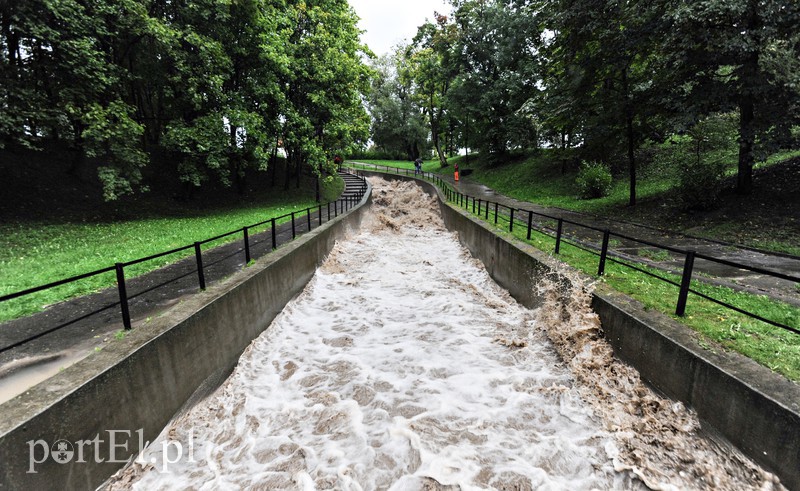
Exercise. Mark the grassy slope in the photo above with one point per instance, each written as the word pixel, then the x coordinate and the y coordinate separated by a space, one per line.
pixel 737 219
pixel 427 166
pixel 539 180
pixel 32 254
pixel 46 236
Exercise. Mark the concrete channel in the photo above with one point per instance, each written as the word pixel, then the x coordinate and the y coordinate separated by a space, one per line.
pixel 109 404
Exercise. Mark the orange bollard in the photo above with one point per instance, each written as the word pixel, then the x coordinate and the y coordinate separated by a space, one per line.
pixel 456 176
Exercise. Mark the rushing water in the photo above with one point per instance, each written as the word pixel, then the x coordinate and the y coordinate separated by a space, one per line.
pixel 404 366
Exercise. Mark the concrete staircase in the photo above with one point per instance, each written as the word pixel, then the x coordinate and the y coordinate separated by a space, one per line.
pixel 354 186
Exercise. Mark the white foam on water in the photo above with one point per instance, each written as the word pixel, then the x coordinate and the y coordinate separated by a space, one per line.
pixel 401 366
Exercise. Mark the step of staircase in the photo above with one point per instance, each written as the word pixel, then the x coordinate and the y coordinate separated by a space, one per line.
pixel 353 185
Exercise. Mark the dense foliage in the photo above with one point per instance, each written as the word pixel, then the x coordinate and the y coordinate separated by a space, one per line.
pixel 608 79
pixel 594 180
pixel 216 85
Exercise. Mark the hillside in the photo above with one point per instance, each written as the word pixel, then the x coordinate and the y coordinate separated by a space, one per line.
pixel 767 219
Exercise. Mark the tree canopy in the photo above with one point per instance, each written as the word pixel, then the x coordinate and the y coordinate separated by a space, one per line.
pixel 218 85
pixel 607 77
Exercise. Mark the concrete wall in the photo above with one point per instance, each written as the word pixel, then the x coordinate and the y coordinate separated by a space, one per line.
pixel 139 383
pixel 136 385
pixel 749 405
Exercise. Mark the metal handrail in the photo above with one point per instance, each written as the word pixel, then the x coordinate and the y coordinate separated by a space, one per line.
pixel 462 200
pixel 340 206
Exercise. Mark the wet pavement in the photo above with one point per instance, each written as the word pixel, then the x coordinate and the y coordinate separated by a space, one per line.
pixel 83 325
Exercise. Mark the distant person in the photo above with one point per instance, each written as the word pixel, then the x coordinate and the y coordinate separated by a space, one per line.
pixel 418 166
pixel 338 161
pixel 456 171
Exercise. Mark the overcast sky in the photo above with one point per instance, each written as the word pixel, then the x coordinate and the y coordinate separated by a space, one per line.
pixel 389 22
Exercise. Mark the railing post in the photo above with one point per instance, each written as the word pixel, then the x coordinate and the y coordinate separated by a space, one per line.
pixel 511 220
pixel 336 208
pixel 487 210
pixel 319 211
pixel 274 236
pixel 530 223
pixel 603 253
pixel 559 230
pixel 123 296
pixel 246 246
pixel 200 274
pixel 329 211
pixel 294 232
pixel 686 282
pixel 495 213
pixel 473 206
pixel 308 217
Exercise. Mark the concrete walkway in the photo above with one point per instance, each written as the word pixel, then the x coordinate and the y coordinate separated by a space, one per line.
pixel 85 324
pixel 720 274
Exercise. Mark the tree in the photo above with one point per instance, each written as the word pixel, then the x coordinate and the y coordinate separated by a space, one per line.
pixel 218 84
pixel 430 67
pixel 605 58
pixel 740 55
pixel 324 81
pixel 500 69
pixel 398 125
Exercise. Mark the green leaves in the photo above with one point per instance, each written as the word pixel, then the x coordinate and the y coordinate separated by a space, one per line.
pixel 111 136
pixel 218 84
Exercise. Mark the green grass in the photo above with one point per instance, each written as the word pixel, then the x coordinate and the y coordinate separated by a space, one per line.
pixel 537 180
pixel 777 239
pixel 770 346
pixel 331 189
pixel 775 158
pixel 427 166
pixel 33 254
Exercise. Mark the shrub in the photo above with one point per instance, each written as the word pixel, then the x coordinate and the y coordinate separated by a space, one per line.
pixel 594 180
pixel 700 157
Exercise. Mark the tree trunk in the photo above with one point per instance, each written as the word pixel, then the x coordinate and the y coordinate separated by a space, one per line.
pixel 273 162
pixel 750 82
pixel 744 177
pixel 237 164
pixel 435 133
pixel 630 137
pixel 287 168
pixel 298 168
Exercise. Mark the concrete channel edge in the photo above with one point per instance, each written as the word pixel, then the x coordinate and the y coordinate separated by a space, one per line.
pixel 755 409
pixel 140 383
pixel 135 386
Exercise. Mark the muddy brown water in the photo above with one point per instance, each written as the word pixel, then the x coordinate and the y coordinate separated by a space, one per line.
pixel 403 366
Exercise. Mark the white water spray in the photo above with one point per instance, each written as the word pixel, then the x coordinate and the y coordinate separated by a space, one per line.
pixel 403 366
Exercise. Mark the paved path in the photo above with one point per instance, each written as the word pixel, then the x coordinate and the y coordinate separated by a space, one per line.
pixel 737 278
pixel 86 323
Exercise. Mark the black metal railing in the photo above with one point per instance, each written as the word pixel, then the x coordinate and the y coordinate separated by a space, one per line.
pixel 341 205
pixel 518 216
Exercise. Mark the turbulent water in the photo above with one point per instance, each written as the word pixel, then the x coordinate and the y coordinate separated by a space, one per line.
pixel 403 366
